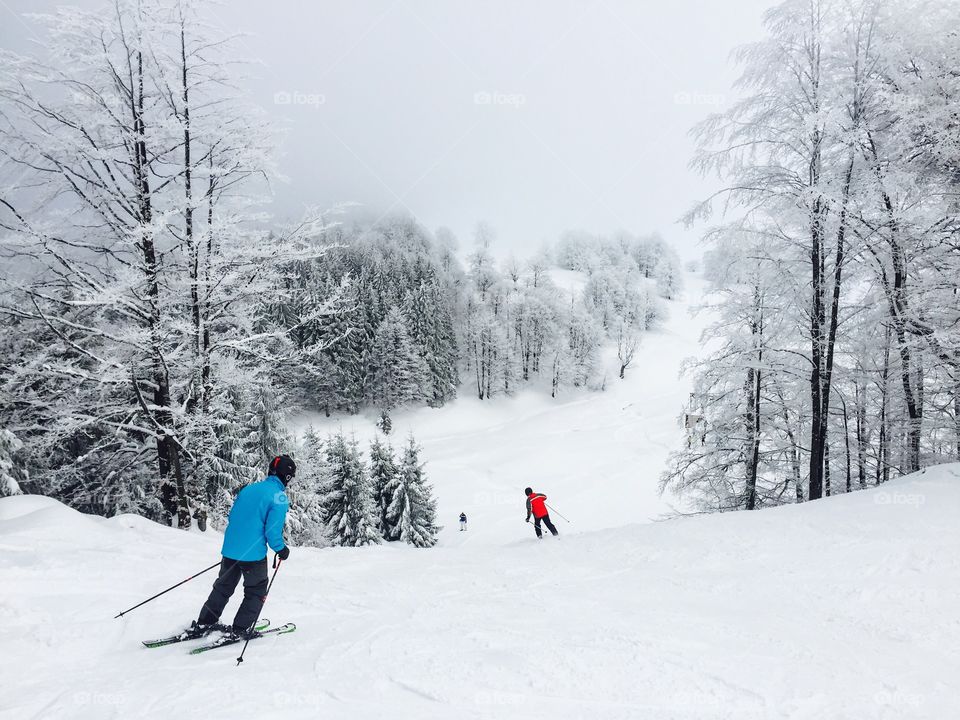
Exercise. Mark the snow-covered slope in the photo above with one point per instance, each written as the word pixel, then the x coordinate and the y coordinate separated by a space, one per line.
pixel 844 608
pixel 597 455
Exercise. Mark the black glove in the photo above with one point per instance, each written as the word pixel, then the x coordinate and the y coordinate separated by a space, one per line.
pixel 284 554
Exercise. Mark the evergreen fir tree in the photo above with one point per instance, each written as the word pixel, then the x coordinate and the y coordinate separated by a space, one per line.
pixel 383 474
pixel 398 374
pixel 231 458
pixel 343 337
pixel 412 510
pixel 385 423
pixel 305 518
pixel 433 334
pixel 10 445
pixel 347 503
pixel 267 433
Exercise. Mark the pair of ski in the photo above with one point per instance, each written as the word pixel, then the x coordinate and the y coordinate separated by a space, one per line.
pixel 228 638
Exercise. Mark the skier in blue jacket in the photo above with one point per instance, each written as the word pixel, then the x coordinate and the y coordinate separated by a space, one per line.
pixel 256 521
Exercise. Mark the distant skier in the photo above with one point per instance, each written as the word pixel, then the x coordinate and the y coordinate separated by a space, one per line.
pixel 537 506
pixel 463 522
pixel 256 520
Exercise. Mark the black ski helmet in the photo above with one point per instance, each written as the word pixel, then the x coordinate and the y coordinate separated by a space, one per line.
pixel 528 491
pixel 284 468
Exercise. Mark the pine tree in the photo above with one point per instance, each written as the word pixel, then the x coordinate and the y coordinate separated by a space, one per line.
pixel 398 375
pixel 306 518
pixel 229 459
pixel 383 475
pixel 347 335
pixel 432 331
pixel 267 434
pixel 10 445
pixel 347 503
pixel 412 512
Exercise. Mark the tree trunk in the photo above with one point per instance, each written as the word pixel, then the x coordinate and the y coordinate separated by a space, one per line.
pixel 846 439
pixel 883 453
pixel 825 339
pixel 861 398
pixel 172 490
pixel 898 306
pixel 826 468
pixel 753 404
pixel 956 415
pixel 753 432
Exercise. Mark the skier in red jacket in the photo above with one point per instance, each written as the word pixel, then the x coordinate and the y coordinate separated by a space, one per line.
pixel 537 506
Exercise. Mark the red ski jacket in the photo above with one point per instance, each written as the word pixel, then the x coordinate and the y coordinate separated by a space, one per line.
pixel 536 505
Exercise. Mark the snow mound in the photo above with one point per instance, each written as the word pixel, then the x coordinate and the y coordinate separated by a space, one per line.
pixel 48 518
pixel 20 505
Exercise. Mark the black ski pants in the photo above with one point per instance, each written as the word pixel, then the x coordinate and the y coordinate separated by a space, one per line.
pixel 254 574
pixel 546 521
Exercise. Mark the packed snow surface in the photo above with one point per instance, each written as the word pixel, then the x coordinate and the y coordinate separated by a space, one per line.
pixel 841 609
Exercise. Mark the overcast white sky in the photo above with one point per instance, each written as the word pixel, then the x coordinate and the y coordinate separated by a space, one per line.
pixel 537 116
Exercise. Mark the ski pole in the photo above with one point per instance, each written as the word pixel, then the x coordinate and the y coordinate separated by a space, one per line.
pixel 276 567
pixel 216 564
pixel 556 511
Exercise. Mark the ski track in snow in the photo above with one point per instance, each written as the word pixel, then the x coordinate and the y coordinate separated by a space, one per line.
pixel 842 609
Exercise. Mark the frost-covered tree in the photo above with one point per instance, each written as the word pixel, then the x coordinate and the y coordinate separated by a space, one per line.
pixel 397 373
pixel 391 265
pixel 628 340
pixel 840 180
pixel 430 316
pixel 230 461
pixel 347 503
pixel 10 468
pixel 483 272
pixel 383 476
pixel 669 275
pixel 737 454
pixel 575 354
pixel 132 171
pixel 305 519
pixel 267 435
pixel 411 514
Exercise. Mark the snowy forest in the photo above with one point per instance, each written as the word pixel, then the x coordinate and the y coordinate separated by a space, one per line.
pixel 160 327
pixel 832 257
pixel 467 338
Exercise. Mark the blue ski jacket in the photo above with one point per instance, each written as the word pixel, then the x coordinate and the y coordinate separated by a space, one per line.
pixel 256 520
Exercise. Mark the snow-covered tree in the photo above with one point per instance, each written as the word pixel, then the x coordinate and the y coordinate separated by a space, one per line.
pixel 628 340
pixel 411 515
pixel 430 318
pixel 397 373
pixel 669 275
pixel 348 511
pixel 305 519
pixel 132 173
pixel 10 468
pixel 383 477
pixel 840 180
pixel 738 455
